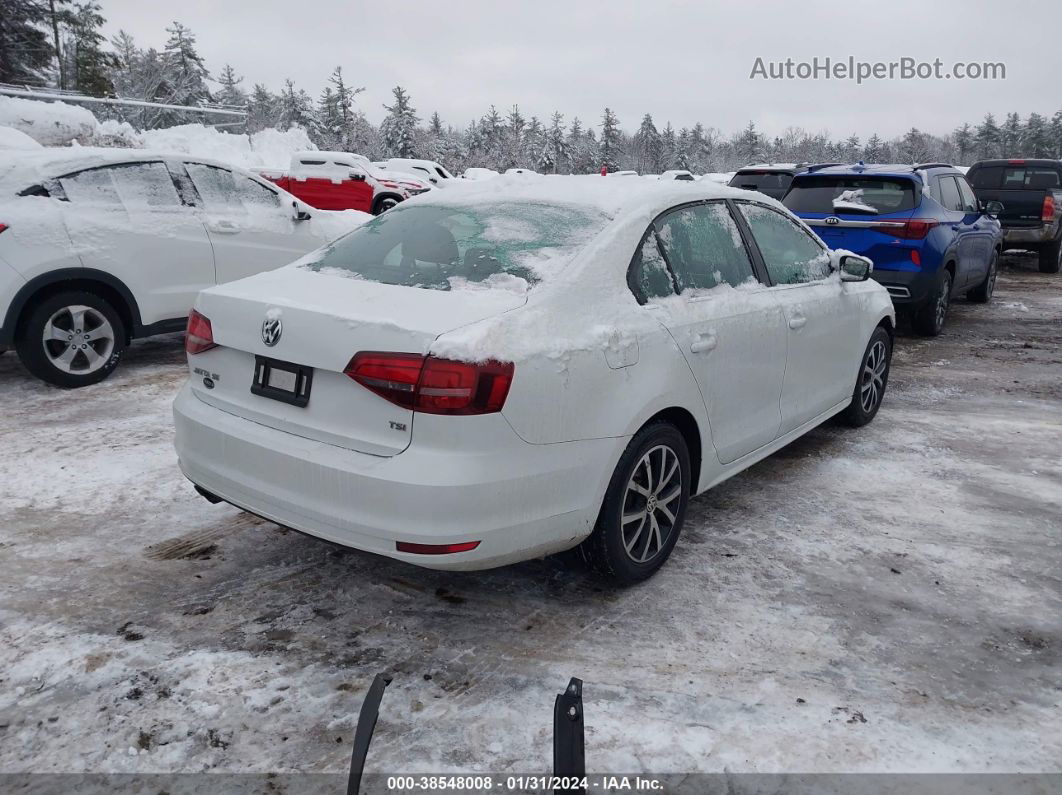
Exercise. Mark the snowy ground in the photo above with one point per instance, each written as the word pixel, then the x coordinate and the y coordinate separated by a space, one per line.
pixel 888 599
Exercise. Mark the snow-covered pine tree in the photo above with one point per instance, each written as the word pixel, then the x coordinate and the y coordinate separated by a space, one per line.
pixel 667 148
pixel 25 52
pixel 748 144
pixel 555 158
pixel 1010 135
pixel 874 151
pixel 295 108
pixel 262 109
pixel 913 147
pixel 987 137
pixel 344 121
pixel 1036 139
pixel 1056 134
pixel 186 73
pixel 399 127
pixel 611 148
pixel 512 151
pixel 647 146
pixel 86 65
pixel 231 92
pixel 963 138
pixel 682 149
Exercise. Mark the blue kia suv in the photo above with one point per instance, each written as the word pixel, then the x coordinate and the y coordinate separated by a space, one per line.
pixel 929 238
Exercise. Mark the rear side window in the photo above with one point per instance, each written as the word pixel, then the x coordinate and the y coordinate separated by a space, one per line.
pixel 648 276
pixel 791 255
pixel 133 186
pixel 222 190
pixel 949 194
pixel 508 245
pixel 820 193
pixel 969 200
pixel 704 247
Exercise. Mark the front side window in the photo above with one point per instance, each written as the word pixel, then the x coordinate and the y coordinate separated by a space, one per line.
pixel 222 190
pixel 791 255
pixel 704 247
pixel 508 245
pixel 132 186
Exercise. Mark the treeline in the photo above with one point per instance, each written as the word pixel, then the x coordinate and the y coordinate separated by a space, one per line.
pixel 58 43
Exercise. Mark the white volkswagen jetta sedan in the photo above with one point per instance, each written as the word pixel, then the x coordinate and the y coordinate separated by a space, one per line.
pixel 530 364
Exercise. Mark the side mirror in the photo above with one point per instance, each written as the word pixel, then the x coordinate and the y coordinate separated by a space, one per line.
pixel 357 176
pixel 299 212
pixel 854 268
pixel 992 208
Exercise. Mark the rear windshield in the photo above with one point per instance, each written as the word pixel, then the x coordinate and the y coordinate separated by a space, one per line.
pixel 832 194
pixel 1015 178
pixel 507 245
pixel 762 181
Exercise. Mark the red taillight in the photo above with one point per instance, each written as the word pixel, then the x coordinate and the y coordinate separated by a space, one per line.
pixel 908 230
pixel 1048 213
pixel 199 337
pixel 431 385
pixel 1015 162
pixel 435 549
pixel 4 227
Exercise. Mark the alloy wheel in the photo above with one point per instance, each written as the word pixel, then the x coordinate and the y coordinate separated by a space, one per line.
pixel 872 386
pixel 650 504
pixel 78 340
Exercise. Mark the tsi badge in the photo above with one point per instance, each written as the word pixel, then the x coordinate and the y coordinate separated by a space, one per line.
pixel 272 328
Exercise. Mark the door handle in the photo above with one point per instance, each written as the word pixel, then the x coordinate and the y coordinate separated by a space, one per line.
pixel 797 322
pixel 704 343
pixel 224 227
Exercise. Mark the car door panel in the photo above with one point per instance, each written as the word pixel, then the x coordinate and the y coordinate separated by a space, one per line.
pixel 822 319
pixel 128 220
pixel 250 229
pixel 729 327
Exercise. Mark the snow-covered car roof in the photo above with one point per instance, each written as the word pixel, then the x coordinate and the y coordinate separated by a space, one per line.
pixel 20 171
pixel 612 197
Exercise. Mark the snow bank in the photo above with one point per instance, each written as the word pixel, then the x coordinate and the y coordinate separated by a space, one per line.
pixel 60 124
pixel 10 138
pixel 48 123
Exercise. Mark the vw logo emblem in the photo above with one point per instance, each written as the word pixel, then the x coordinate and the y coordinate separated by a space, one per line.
pixel 272 328
pixel 833 220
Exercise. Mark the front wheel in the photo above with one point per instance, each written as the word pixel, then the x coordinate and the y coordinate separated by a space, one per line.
pixel 873 378
pixel 929 319
pixel 644 507
pixel 384 205
pixel 72 339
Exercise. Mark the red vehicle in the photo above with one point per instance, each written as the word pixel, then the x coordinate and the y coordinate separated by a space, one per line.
pixel 343 181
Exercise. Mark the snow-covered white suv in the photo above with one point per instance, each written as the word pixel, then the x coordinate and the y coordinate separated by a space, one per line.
pixel 101 246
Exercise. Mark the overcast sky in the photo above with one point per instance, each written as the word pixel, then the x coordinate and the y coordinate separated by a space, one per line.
pixel 680 61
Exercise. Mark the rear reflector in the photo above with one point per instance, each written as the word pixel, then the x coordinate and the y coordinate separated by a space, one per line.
pixel 431 385
pixel 435 549
pixel 199 336
pixel 908 230
pixel 916 257
pixel 1048 213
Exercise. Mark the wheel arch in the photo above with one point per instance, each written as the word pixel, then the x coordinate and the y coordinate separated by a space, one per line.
pixel 687 425
pixel 47 284
pixel 378 200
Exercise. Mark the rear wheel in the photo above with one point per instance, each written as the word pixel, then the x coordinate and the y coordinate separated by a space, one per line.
pixel 644 507
pixel 982 293
pixel 1051 257
pixel 873 378
pixel 929 319
pixel 72 339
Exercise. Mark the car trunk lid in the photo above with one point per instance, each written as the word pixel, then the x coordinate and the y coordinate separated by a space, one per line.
pixel 317 322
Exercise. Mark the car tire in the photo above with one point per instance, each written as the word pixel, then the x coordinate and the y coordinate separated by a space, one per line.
pixel 871 381
pixel 982 293
pixel 93 331
pixel 1051 257
pixel 929 319
pixel 628 551
pixel 384 205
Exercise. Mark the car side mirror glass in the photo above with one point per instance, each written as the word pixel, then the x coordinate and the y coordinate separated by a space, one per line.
pixel 992 208
pixel 299 212
pixel 854 268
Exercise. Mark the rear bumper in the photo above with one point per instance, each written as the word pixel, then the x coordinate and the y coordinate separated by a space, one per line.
pixel 518 500
pixel 1014 236
pixel 908 289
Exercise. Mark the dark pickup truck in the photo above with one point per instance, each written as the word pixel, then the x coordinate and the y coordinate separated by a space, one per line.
pixel 1031 194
